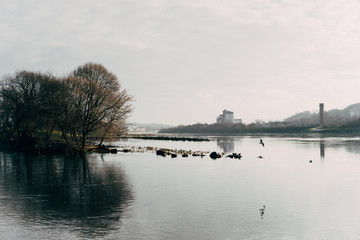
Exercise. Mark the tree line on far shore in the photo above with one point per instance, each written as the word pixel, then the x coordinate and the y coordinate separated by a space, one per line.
pixel 348 128
pixel 345 121
pixel 236 128
pixel 39 109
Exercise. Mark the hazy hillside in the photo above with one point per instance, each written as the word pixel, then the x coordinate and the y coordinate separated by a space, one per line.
pixel 332 117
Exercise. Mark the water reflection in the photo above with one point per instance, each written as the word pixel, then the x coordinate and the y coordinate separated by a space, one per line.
pixel 322 148
pixel 73 191
pixel 353 146
pixel 226 144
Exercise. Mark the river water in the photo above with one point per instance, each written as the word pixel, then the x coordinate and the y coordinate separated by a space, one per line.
pixel 310 187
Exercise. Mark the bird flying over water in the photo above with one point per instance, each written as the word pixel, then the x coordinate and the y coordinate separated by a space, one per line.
pixel 261 142
pixel 262 211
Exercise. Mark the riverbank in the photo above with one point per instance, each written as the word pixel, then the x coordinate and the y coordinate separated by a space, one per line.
pixel 352 128
pixel 165 138
pixel 182 134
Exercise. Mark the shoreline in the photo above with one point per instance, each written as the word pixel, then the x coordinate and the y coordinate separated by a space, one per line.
pixel 349 129
pixel 160 137
pixel 108 147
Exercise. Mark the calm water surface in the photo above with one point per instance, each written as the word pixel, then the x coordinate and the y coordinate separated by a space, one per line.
pixel 144 196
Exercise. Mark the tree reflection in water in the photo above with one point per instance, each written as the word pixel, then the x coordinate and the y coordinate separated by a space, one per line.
pixel 83 193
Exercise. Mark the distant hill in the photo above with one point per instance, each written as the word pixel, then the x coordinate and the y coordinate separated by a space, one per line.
pixel 336 121
pixel 332 117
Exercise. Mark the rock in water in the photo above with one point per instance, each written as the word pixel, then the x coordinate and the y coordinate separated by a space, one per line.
pixel 215 155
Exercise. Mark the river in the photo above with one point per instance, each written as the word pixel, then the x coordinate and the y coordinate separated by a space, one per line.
pixel 300 188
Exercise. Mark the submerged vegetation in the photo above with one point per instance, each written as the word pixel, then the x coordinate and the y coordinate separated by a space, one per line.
pixel 42 112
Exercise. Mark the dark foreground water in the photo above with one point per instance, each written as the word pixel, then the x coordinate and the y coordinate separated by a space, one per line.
pixel 144 196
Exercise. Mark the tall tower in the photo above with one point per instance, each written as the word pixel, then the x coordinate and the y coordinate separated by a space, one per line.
pixel 321 114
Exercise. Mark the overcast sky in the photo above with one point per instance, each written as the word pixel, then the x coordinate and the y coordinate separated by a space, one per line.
pixel 185 61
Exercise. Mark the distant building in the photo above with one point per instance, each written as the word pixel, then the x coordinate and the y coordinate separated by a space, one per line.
pixel 354 113
pixel 237 120
pixel 227 117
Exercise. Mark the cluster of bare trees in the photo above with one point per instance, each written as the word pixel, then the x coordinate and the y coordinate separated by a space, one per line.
pixel 89 101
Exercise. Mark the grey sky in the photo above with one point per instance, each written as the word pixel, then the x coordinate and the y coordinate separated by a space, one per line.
pixel 184 61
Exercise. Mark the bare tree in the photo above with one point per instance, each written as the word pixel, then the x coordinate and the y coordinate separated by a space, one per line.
pixel 90 100
pixel 116 113
pixel 98 102
pixel 26 104
pixel 70 107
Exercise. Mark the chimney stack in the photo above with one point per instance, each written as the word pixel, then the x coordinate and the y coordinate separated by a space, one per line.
pixel 321 114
